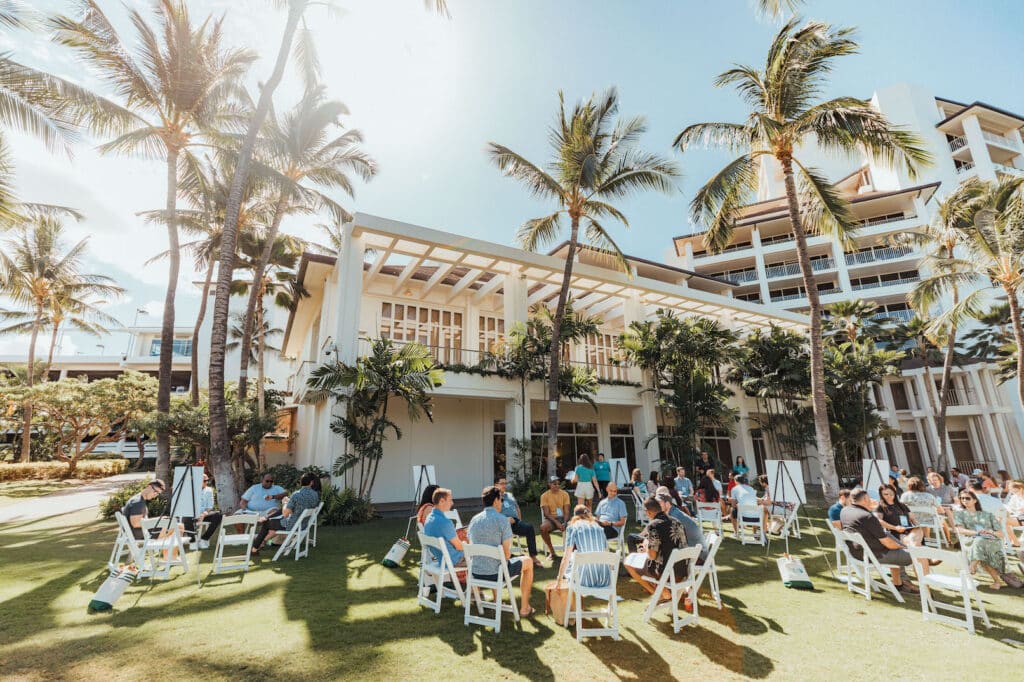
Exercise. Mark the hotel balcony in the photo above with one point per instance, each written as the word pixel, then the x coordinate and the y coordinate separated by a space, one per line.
pixel 1000 140
pixel 886 283
pixel 792 269
pixel 877 255
pixel 1008 170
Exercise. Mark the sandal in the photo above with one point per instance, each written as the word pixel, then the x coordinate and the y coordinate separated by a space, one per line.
pixel 528 614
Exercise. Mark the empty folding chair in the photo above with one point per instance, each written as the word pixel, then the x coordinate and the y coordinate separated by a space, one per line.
pixel 296 540
pixel 234 538
pixel 790 520
pixel 475 587
pixel 710 512
pixel 750 525
pixel 154 557
pixel 593 563
pixel 676 588
pixel 708 571
pixel 638 507
pixel 927 518
pixel 959 580
pixel 441 575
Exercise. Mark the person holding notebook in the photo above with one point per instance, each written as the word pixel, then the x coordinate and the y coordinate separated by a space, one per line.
pixel 896 518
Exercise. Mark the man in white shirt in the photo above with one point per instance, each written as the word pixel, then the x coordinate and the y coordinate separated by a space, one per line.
pixel 261 497
pixel 743 495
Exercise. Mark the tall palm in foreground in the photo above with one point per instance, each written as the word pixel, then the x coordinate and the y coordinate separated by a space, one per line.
pixel 177 80
pixel 992 256
pixel 304 158
pixel 785 112
pixel 36 273
pixel 940 240
pixel 595 160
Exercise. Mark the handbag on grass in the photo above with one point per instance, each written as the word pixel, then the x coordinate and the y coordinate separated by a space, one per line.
pixel 793 573
pixel 394 557
pixel 555 597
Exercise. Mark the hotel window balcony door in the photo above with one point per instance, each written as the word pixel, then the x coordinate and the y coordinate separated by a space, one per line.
pixel 623 444
pixel 499 449
pixel 437 329
pixel 574 439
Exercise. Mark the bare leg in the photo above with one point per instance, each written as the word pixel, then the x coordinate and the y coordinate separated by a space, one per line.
pixel 649 587
pixel 525 586
pixel 545 533
pixel 995 576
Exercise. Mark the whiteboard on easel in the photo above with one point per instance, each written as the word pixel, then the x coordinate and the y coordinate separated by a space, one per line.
pixel 187 492
pixel 875 475
pixel 423 475
pixel 620 471
pixel 785 481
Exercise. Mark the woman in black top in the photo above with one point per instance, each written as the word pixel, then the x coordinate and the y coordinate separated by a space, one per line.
pixel 707 484
pixel 896 517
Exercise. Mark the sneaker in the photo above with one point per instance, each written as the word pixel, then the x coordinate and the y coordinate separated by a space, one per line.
pixel 203 544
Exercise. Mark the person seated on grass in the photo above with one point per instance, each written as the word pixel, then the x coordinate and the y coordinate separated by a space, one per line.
pixel 261 497
pixel 694 533
pixel 491 527
pixel 611 512
pixel 302 499
pixel 206 513
pixel 510 508
pixel 554 508
pixel 663 535
pixel 836 509
pixel 136 509
pixel 857 517
pixel 743 496
pixel 585 535
pixel 984 539
pixel 440 526
pixel 896 518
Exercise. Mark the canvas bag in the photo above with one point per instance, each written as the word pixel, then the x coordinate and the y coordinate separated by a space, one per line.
pixel 556 595
pixel 793 573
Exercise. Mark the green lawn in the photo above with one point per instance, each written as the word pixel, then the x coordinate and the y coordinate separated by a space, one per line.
pixel 12 492
pixel 340 614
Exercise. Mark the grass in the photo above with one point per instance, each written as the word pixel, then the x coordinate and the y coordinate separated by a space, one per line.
pixel 340 614
pixel 12 492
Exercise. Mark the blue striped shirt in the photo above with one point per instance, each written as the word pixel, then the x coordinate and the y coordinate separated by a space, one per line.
pixel 584 536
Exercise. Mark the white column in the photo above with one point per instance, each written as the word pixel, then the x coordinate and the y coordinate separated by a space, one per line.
pixel 762 274
pixel 645 425
pixel 989 422
pixel 924 444
pixel 688 256
pixel 839 255
pixel 747 442
pixel 979 150
pixel 891 419
pixel 517 414
pixel 514 298
pixel 1013 458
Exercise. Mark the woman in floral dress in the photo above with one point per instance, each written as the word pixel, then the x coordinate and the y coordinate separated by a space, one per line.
pixel 986 536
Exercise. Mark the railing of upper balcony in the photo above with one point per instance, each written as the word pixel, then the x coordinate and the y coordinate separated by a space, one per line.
pixel 297 381
pixel 999 139
pixel 885 219
pixel 874 255
pixel 790 269
pixel 958 396
pixel 964 167
pixel 888 283
pixel 788 297
pixel 897 315
pixel 957 143
pixel 1009 170
pixel 739 277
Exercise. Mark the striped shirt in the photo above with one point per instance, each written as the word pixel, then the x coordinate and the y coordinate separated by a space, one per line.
pixel 586 536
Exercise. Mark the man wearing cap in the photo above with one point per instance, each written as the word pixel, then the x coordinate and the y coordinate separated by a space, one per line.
pixel 554 507
pixel 611 512
pixel 510 508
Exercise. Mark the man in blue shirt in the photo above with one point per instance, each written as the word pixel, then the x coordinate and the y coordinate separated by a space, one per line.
pixel 836 509
pixel 440 526
pixel 302 499
pixel 261 497
pixel 683 485
pixel 491 527
pixel 611 512
pixel 510 508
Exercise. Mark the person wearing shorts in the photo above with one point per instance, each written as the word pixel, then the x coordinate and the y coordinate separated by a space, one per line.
pixel 584 477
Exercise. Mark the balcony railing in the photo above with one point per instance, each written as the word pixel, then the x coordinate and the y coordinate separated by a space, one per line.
pixel 999 139
pixel 740 277
pixel 888 283
pixel 964 167
pixel 884 220
pixel 957 143
pixel 894 315
pixel 874 255
pixel 790 269
pixel 297 381
pixel 788 297
pixel 1008 170
pixel 958 397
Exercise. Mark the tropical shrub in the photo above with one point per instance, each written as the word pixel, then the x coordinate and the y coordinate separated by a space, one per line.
pixel 345 508
pixel 117 499
pixel 24 471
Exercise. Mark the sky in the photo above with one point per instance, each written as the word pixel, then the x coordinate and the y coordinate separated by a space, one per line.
pixel 428 93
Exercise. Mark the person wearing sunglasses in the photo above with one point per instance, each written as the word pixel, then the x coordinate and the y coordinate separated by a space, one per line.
pixel 206 514
pixel 137 509
pixel 980 531
pixel 261 497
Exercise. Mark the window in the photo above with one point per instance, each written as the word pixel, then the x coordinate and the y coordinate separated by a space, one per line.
pixel 499 445
pixel 899 396
pixel 601 354
pixel 962 450
pixel 913 450
pixel 754 297
pixel 760 453
pixel 623 444
pixel 439 330
pixel 492 333
pixel 180 347
pixel 574 439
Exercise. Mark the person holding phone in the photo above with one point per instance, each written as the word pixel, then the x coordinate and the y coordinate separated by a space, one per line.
pixel 981 530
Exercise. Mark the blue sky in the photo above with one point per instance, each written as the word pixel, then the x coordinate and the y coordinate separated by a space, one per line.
pixel 429 93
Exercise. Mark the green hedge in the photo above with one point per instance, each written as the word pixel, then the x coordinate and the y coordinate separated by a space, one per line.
pixel 345 508
pixel 100 468
pixel 117 499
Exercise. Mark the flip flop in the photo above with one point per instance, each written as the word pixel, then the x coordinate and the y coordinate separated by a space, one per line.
pixel 529 613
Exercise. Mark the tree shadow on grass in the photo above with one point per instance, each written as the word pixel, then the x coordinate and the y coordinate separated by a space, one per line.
pixel 738 658
pixel 618 655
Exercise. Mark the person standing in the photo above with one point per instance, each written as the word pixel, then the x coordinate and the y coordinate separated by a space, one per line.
pixel 611 512
pixel 583 477
pixel 740 468
pixel 603 471
pixel 510 509
pixel 703 464
pixel 554 508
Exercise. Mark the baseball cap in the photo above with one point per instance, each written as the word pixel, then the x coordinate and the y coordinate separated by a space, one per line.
pixel 663 497
pixel 554 479
pixel 977 472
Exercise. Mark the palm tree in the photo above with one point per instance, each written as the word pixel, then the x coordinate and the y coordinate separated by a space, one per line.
pixel 774 9
pixel 595 160
pixel 36 274
pixel 297 151
pixel 73 304
pixel 176 81
pixel 786 113
pixel 850 320
pixel 992 256
pixel 940 239
pixel 986 341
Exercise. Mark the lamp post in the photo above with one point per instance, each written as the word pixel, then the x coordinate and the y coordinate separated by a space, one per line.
pixel 131 335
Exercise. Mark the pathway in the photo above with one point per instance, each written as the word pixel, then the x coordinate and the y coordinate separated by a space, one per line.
pixel 86 496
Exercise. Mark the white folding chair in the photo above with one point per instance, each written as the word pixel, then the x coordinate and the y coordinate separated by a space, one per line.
pixel 434 573
pixel 843 571
pixel 121 553
pixel 677 588
pixel 232 538
pixel 709 570
pixel 791 521
pixel 153 556
pixel 927 518
pixel 863 568
pixel 315 524
pixel 750 525
pixel 577 592
pixel 619 541
pixel 1010 551
pixel 296 540
pixel 638 506
pixel 474 585
pixel 959 581
pixel 710 512
pixel 454 517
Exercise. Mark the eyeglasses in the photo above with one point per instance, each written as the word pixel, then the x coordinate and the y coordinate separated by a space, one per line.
pixel 268 480
pixel 156 487
pixel 967 499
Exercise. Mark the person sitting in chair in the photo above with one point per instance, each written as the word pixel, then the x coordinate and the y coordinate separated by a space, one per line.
pixel 694 533
pixel 857 517
pixel 261 497
pixel 611 512
pixel 510 508
pixel 491 527
pixel 554 508
pixel 836 509
pixel 136 508
pixel 206 513
pixel 302 499
pixel 743 495
pixel 663 536
pixel 585 535
pixel 440 526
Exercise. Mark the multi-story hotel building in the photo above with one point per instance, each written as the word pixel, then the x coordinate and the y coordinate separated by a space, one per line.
pixel 985 420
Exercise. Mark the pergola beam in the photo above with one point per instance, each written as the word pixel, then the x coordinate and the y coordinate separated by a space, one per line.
pixel 463 284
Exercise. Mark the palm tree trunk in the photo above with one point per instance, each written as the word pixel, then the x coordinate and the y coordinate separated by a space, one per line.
pixel 200 316
pixel 53 342
pixel 554 369
pixel 220 447
pixel 261 410
pixel 826 457
pixel 163 395
pixel 947 372
pixel 256 294
pixel 1018 337
pixel 26 429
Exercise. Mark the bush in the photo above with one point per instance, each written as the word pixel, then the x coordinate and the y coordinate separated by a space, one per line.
pixel 102 468
pixel 287 476
pixel 345 508
pixel 528 491
pixel 120 497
